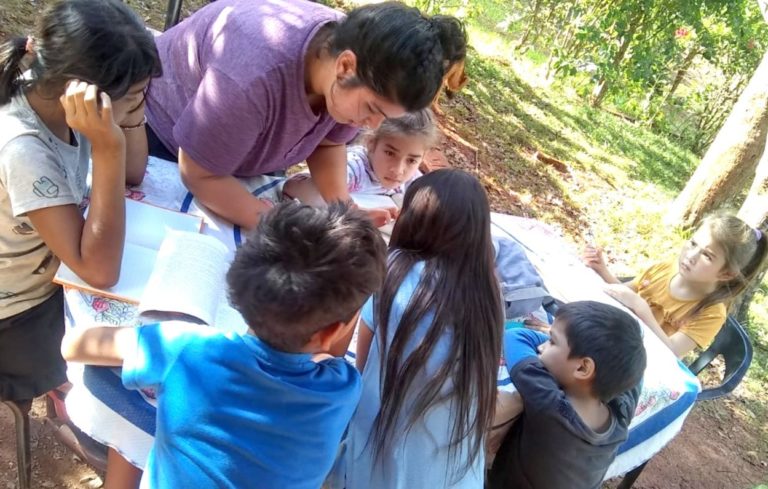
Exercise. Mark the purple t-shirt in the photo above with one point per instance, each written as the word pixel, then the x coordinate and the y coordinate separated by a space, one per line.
pixel 232 91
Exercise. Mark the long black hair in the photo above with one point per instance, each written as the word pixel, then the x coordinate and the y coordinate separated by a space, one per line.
pixel 445 223
pixel 102 42
pixel 402 55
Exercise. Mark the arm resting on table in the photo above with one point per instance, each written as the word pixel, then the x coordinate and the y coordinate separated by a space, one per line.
pixel 100 345
pixel 223 194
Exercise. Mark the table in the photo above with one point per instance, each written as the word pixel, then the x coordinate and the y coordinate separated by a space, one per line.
pixel 125 420
pixel 669 388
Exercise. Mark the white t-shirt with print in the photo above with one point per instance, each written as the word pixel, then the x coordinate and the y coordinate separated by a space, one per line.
pixel 37 170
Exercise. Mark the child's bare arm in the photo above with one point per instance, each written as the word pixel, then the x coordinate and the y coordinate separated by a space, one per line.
pixel 364 340
pixel 509 406
pixel 100 345
pixel 679 343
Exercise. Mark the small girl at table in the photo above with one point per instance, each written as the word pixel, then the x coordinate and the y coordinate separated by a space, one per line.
pixel 72 93
pixel 429 346
pixel 684 301
pixel 385 164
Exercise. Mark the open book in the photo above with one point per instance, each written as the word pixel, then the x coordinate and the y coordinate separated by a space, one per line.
pixel 146 226
pixel 190 279
pixel 373 201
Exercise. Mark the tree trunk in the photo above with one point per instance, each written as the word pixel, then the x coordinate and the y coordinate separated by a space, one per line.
pixel 531 24
pixel 684 66
pixel 732 157
pixel 602 86
pixel 754 212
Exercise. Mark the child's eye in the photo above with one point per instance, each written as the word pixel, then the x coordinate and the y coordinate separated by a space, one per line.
pixel 412 161
pixel 389 153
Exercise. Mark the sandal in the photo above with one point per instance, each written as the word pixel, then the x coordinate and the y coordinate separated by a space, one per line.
pixel 86 448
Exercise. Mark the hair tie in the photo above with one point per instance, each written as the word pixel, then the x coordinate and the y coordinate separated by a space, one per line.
pixel 758 234
pixel 29 48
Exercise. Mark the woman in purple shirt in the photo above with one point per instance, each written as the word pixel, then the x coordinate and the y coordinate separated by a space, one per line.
pixel 251 87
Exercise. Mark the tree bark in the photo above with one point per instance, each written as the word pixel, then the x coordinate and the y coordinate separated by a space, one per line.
pixel 731 158
pixel 754 212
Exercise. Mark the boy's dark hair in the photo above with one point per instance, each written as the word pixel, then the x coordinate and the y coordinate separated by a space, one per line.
pixel 611 338
pixel 402 55
pixel 102 42
pixel 303 269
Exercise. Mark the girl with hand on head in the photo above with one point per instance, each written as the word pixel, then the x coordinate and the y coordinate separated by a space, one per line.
pixel 429 346
pixel 251 88
pixel 72 93
pixel 684 301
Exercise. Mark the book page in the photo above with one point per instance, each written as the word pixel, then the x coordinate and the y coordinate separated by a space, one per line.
pixel 372 201
pixel 146 226
pixel 188 276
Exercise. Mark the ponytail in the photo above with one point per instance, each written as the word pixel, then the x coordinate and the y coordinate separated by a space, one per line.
pixel 401 54
pixel 752 268
pixel 11 56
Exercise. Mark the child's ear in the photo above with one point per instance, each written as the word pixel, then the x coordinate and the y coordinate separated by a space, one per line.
pixel 585 369
pixel 346 65
pixel 726 274
pixel 323 339
pixel 334 338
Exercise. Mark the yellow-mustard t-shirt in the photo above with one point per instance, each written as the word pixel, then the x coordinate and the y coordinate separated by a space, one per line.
pixel 670 312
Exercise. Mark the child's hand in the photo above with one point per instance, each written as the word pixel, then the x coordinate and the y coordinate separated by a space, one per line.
pixel 626 296
pixel 593 258
pixel 382 216
pixel 537 325
pixel 80 102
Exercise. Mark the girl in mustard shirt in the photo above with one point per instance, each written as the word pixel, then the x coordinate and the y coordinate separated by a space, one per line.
pixel 684 301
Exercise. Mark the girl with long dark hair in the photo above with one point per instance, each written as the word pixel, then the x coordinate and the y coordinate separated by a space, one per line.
pixel 429 345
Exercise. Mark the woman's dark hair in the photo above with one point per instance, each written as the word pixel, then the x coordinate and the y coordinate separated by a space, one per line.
pixel 445 223
pixel 402 55
pixel 102 42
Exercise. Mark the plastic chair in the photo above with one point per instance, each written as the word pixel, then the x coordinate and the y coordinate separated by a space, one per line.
pixel 732 342
pixel 23 453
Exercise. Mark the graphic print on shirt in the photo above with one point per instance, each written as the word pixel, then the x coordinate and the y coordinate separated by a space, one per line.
pixel 44 187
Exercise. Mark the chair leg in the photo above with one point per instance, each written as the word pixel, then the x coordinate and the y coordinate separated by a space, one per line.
pixel 23 453
pixel 630 477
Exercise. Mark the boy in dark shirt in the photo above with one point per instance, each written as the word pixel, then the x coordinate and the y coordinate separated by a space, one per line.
pixel 578 393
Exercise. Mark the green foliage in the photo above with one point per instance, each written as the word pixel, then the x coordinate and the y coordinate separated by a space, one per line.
pixel 675 65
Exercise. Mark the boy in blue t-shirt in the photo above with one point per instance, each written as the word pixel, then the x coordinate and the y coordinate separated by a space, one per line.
pixel 578 388
pixel 268 408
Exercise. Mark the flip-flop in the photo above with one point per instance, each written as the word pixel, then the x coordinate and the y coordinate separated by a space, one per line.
pixel 86 448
